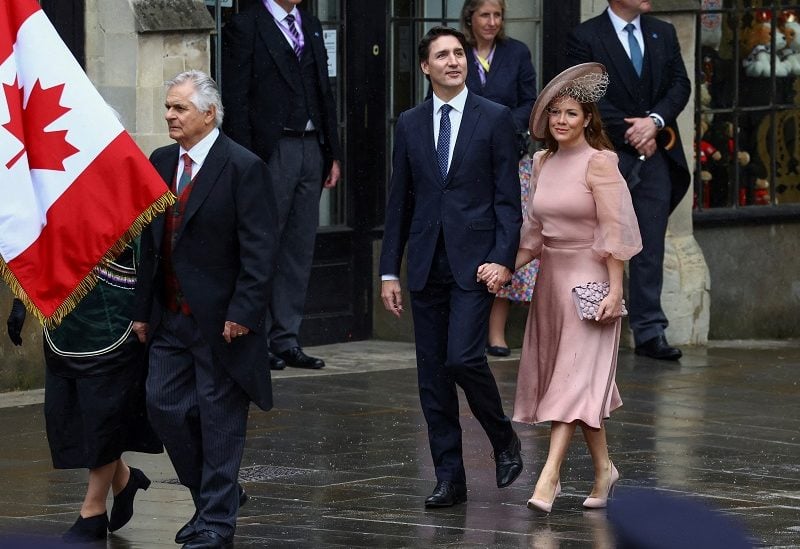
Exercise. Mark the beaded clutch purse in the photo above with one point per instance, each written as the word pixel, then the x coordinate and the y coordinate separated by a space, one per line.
pixel 588 296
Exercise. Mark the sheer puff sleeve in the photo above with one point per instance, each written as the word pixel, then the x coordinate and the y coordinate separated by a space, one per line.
pixel 530 235
pixel 617 231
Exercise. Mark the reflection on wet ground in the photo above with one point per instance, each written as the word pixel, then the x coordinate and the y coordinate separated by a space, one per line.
pixel 342 461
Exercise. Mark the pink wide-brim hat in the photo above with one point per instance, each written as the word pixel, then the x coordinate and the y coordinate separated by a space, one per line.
pixel 570 77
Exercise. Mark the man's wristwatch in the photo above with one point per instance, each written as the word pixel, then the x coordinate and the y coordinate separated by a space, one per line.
pixel 657 121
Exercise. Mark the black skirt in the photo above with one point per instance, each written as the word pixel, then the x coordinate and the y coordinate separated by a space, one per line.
pixel 92 419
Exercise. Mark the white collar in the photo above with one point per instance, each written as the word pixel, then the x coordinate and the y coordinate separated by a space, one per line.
pixel 276 10
pixel 619 23
pixel 199 151
pixel 458 102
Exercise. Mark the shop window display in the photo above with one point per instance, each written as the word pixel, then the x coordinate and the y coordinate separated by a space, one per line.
pixel 747 115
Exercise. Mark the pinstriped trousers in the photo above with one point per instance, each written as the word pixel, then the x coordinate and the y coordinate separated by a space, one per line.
pixel 200 414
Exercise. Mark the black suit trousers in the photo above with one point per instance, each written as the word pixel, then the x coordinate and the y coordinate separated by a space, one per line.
pixel 450 327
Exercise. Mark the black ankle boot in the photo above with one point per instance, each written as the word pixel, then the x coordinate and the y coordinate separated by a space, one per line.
pixel 87 529
pixel 122 511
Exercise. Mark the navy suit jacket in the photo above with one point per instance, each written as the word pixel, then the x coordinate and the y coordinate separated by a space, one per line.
pixel 477 207
pixel 260 75
pixel 222 257
pixel 669 85
pixel 511 81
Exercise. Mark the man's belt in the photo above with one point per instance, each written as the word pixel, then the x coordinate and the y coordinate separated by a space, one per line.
pixel 286 132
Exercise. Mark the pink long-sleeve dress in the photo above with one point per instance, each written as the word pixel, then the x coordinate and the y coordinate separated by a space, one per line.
pixel 580 213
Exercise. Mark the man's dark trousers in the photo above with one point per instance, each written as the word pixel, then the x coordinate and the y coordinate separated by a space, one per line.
pixel 189 396
pixel 450 330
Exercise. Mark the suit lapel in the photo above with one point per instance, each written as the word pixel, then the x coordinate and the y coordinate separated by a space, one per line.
pixel 499 59
pixel 469 120
pixel 607 36
pixel 205 179
pixel 276 43
pixel 429 145
pixel 315 45
pixel 653 54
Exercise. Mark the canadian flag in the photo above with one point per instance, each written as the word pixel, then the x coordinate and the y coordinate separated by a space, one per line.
pixel 74 187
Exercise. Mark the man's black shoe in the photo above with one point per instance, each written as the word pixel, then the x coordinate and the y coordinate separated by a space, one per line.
pixel 275 363
pixel 658 348
pixel 447 494
pixel 296 358
pixel 188 530
pixel 208 539
pixel 509 463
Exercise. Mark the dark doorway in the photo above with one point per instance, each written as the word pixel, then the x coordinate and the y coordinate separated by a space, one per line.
pixel 68 19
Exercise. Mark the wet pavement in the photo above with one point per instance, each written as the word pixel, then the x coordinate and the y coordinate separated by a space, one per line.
pixel 342 461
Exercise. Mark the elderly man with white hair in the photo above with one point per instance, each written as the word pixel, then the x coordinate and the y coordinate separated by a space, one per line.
pixel 201 301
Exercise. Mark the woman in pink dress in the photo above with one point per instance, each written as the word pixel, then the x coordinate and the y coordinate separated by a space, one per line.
pixel 582 226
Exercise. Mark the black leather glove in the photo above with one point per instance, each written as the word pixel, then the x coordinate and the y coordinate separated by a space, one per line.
pixel 16 320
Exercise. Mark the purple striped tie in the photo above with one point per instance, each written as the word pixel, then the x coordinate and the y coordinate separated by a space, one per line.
pixel 298 46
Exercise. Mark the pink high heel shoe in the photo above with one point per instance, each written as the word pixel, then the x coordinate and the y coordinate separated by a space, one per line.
pixel 542 505
pixel 601 502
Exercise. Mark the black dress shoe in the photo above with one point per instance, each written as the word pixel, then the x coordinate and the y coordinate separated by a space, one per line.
pixel 207 539
pixel 86 530
pixel 296 358
pixel 508 463
pixel 497 350
pixel 122 511
pixel 189 531
pixel 275 363
pixel 658 348
pixel 447 494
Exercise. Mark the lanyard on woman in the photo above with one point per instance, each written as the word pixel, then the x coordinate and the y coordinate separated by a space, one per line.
pixel 483 64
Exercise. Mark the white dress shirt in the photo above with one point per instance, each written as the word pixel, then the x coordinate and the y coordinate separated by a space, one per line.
pixel 198 153
pixel 456 113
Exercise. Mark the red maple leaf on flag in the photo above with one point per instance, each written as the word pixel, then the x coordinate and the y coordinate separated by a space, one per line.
pixel 46 149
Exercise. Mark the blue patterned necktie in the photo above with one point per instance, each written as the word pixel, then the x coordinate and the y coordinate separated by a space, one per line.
pixel 636 51
pixel 443 143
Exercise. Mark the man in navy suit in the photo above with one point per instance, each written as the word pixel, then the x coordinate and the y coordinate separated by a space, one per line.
pixel 201 300
pixel 454 199
pixel 648 90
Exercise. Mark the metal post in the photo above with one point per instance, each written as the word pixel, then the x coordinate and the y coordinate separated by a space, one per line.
pixel 218 43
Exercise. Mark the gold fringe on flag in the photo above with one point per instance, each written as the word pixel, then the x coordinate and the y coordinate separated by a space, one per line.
pixel 87 284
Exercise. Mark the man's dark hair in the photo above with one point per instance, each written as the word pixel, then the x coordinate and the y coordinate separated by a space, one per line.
pixel 424 48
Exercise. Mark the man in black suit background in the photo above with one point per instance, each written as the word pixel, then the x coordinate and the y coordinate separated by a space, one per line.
pixel 648 89
pixel 454 198
pixel 201 299
pixel 280 105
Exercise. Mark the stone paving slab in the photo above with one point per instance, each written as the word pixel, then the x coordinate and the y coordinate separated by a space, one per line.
pixel 342 461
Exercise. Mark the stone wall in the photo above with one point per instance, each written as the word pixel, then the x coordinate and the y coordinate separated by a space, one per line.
pixel 746 306
pixel 134 46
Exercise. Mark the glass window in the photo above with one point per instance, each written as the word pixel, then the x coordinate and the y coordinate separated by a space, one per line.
pixel 747 97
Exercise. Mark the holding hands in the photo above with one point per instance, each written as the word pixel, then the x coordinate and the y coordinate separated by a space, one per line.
pixel 494 275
